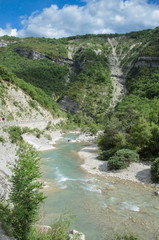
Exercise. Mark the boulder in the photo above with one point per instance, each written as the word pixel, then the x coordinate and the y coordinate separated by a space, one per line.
pixel 156 193
pixel 74 234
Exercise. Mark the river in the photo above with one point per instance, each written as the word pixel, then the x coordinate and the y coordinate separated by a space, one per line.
pixel 101 207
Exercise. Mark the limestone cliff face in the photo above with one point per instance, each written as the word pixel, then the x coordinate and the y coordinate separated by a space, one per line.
pixel 68 104
pixel 3 44
pixel 34 55
pixel 147 61
pixel 30 54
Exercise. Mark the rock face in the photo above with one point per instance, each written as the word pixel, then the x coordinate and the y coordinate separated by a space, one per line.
pixel 68 104
pixel 3 44
pixel 156 193
pixel 34 55
pixel 30 54
pixel 148 61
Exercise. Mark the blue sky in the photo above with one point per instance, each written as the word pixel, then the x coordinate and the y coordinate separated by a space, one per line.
pixel 61 18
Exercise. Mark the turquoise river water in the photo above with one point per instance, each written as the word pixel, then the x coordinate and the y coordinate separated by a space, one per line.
pixel 100 209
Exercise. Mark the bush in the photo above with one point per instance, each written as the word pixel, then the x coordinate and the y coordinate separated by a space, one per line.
pixel 2 140
pixel 122 158
pixel 155 171
pixel 15 134
pixel 105 155
pixel 125 237
pixel 25 195
pixel 6 217
pixel 27 130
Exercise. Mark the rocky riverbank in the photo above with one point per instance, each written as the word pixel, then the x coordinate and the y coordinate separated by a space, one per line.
pixel 8 150
pixel 136 172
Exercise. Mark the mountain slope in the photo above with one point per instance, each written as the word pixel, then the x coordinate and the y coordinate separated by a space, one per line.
pixel 86 74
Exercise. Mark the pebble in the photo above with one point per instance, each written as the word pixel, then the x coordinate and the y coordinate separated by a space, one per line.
pixel 157 208
pixel 111 187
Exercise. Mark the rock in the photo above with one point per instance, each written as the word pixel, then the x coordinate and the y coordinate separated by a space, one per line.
pixel 74 234
pixel 148 61
pixel 156 193
pixel 68 104
pixel 3 44
pixel 43 228
pixel 110 187
pixel 30 54
pixel 2 192
pixel 157 208
pixel 143 211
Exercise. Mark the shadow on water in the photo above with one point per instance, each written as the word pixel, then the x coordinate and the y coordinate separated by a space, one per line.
pixel 142 176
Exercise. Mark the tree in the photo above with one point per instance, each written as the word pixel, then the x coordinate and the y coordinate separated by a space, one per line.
pixel 155 171
pixel 140 134
pixel 25 195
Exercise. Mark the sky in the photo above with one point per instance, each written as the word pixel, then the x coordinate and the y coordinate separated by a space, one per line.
pixel 62 18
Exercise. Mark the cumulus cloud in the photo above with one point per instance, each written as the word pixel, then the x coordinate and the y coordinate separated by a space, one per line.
pixel 97 16
pixel 8 31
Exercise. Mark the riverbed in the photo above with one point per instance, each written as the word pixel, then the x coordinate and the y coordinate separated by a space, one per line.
pixel 101 206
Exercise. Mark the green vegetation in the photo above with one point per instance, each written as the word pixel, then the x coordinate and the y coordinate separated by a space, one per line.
pixel 15 134
pixel 125 237
pixel 25 196
pixel 122 159
pixel 35 93
pixel 44 73
pixel 2 139
pixel 155 170
pixel 91 84
pixel 143 82
pixel 134 125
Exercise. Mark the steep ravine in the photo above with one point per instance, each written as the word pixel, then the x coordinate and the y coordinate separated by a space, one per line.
pixel 117 76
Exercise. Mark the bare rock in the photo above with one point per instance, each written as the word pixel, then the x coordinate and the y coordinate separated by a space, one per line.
pixel 156 193
pixel 74 234
pixel 110 187
pixel 68 104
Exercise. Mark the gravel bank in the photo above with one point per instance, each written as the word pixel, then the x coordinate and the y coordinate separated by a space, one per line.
pixel 136 172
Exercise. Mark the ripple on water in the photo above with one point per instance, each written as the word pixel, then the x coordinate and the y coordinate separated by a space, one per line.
pixel 91 188
pixel 129 206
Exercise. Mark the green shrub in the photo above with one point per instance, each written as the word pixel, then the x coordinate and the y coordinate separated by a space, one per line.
pixel 25 196
pixel 33 104
pixel 155 170
pixel 105 155
pixel 59 230
pixel 5 218
pixel 27 130
pixel 48 136
pixel 2 140
pixel 122 158
pixel 125 237
pixel 15 134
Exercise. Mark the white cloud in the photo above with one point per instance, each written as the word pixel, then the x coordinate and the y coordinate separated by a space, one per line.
pixel 8 31
pixel 97 16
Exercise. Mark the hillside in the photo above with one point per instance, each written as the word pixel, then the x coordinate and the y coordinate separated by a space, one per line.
pixel 107 82
pixel 88 76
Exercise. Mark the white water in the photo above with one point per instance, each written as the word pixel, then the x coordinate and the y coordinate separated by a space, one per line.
pixel 99 212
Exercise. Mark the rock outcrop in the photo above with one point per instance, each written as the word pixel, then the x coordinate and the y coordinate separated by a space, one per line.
pixel 3 44
pixel 34 55
pixel 147 61
pixel 30 54
pixel 68 104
